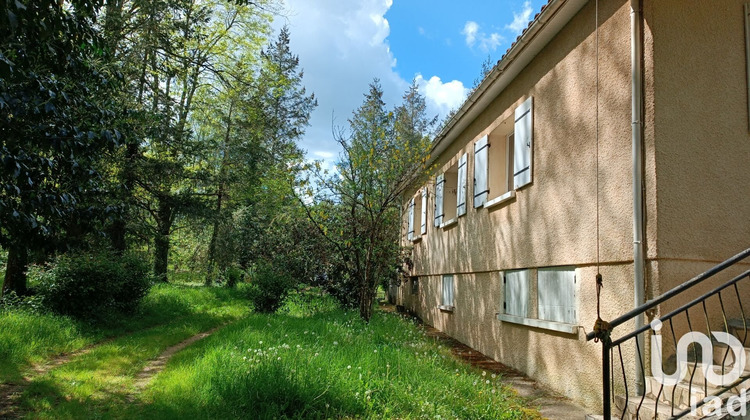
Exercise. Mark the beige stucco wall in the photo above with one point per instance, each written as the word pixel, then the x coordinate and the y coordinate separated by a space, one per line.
pixel 702 145
pixel 551 222
pixel 696 184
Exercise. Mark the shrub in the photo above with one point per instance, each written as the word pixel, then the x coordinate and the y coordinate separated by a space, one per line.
pixel 94 286
pixel 233 275
pixel 269 287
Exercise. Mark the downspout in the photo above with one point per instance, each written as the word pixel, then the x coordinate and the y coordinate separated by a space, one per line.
pixel 636 58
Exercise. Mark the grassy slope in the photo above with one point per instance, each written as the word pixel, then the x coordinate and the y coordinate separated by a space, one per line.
pixel 310 361
pixel 328 365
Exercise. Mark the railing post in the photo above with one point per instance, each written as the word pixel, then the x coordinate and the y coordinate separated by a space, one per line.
pixel 606 396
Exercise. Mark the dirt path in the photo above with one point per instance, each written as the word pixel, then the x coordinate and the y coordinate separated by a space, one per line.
pixel 157 365
pixel 10 393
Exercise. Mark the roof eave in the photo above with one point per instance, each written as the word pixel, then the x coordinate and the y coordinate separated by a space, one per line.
pixel 553 17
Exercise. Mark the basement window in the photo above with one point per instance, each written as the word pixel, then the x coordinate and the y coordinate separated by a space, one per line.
pixel 545 298
pixel 446 300
pixel 414 285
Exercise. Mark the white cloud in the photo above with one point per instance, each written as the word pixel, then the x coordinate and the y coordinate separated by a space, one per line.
pixel 470 31
pixel 487 43
pixel 441 97
pixel 323 154
pixel 520 20
pixel 342 45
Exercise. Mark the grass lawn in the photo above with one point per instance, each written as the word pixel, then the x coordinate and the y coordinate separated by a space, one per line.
pixel 28 338
pixel 325 364
pixel 311 360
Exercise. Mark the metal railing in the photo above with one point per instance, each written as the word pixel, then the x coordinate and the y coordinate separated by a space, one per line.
pixel 711 305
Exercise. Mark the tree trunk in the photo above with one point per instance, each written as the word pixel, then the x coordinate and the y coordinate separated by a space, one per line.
pixel 15 271
pixel 161 242
pixel 219 199
pixel 118 229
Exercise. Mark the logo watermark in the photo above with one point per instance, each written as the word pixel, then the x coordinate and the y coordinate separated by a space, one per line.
pixel 713 404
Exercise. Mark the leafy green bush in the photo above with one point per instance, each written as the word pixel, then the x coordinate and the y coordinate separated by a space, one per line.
pixel 233 275
pixel 268 288
pixel 94 286
pixel 32 303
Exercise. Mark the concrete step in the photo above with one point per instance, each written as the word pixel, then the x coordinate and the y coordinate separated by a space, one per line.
pixel 649 409
pixel 699 378
pixel 681 394
pixel 740 329
pixel 722 354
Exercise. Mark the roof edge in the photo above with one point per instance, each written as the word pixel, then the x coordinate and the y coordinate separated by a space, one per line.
pixel 540 31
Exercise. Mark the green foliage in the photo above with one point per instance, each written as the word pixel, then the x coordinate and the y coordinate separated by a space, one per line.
pixel 56 124
pixel 308 301
pixel 233 275
pixel 268 287
pixel 326 365
pixel 95 286
pixel 28 337
pixel 357 209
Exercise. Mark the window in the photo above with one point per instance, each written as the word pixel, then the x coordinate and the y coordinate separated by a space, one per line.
pixel 557 295
pixel 461 190
pixel 516 293
pixel 446 197
pixel 542 298
pixel 447 296
pixel 414 285
pixel 502 159
pixel 417 211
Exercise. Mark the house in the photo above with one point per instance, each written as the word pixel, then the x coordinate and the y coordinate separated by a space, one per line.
pixel 613 138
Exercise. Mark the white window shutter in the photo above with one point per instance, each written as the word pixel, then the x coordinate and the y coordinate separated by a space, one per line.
pixel 481 186
pixel 557 294
pixel 423 217
pixel 461 193
pixel 439 184
pixel 410 231
pixel 523 143
pixel 447 290
pixel 516 293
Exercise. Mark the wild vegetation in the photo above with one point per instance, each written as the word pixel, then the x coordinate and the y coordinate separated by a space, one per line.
pixel 148 154
pixel 310 360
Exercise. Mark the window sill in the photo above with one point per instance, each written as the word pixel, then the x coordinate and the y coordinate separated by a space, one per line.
pixel 446 308
pixel 539 323
pixel 449 223
pixel 499 200
pixel 416 239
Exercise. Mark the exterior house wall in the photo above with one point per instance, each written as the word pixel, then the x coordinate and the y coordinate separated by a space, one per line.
pixel 696 184
pixel 551 222
pixel 702 146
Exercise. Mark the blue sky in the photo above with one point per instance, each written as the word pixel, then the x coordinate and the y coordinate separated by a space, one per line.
pixel 344 44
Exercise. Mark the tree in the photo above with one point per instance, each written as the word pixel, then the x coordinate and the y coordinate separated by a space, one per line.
pixel 385 152
pixel 179 56
pixel 55 123
pixel 274 113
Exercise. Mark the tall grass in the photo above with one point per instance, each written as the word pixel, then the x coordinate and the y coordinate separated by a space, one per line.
pixel 325 363
pixel 29 337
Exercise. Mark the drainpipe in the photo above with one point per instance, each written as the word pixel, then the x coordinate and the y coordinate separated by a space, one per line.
pixel 636 58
